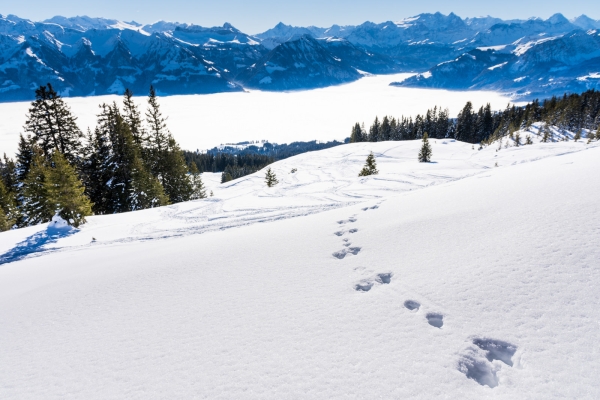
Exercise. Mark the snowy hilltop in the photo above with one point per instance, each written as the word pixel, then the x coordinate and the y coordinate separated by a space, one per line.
pixel 471 276
pixel 83 56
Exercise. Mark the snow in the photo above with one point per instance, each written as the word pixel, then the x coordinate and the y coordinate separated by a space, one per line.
pixel 498 66
pixel 459 280
pixel 593 75
pixel 197 121
pixel 523 48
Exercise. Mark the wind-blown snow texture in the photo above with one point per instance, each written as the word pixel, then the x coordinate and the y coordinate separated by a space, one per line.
pixel 84 56
pixel 458 279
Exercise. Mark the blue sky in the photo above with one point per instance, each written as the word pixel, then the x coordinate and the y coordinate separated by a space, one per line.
pixel 258 15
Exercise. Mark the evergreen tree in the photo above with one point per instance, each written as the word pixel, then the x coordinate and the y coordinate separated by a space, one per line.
pixel 35 205
pixel 158 136
pixel 66 192
pixel 124 182
pixel 52 126
pixel 465 124
pixel 226 176
pixel 175 179
pixel 577 135
pixel 8 174
pixel 357 134
pixel 24 157
pixel 425 152
pixel 132 117
pixel 8 208
pixel 199 191
pixel 270 178
pixel 145 191
pixel 374 131
pixel 166 159
pixel 370 167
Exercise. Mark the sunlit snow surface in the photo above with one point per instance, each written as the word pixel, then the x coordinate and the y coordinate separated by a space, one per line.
pixel 205 121
pixel 451 279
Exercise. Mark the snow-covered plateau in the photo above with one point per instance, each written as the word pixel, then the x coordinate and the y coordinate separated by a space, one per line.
pixel 197 121
pixel 473 276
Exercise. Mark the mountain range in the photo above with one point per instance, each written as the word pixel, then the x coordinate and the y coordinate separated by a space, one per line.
pixel 83 56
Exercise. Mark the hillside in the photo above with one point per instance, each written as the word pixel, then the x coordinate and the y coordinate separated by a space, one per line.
pixel 456 278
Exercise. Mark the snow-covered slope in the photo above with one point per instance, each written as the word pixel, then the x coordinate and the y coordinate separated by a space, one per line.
pixel 453 279
pixel 83 56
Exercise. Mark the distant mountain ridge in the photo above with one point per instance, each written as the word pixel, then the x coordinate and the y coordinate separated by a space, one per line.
pixel 84 56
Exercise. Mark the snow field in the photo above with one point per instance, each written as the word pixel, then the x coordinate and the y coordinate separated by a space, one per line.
pixel 456 277
pixel 197 121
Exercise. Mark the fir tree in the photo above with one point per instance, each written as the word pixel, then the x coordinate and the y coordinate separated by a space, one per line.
pixel 357 134
pixel 132 117
pixel 35 205
pixel 198 189
pixel 24 157
pixel 8 208
pixel 52 126
pixel 370 167
pixel 175 179
pixel 66 192
pixel 125 184
pixel 271 178
pixel 165 157
pixel 425 152
pixel 158 136
pixel 226 176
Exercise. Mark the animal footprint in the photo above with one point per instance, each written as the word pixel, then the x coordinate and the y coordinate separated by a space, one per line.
pixel 412 305
pixel 379 279
pixel 371 208
pixel 436 320
pixel 342 233
pixel 347 221
pixel 477 362
pixel 342 253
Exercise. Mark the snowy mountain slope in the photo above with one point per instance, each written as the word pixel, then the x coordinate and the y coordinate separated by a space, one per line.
pixel 528 68
pixel 84 56
pixel 298 64
pixel 454 288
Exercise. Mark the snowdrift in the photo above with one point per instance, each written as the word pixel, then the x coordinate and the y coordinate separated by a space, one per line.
pixel 474 276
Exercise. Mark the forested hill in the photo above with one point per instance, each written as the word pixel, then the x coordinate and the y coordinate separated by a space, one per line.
pixel 575 113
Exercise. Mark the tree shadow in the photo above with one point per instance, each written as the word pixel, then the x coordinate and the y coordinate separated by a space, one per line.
pixel 35 244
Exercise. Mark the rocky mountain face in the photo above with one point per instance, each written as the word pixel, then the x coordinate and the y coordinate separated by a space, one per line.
pixel 84 56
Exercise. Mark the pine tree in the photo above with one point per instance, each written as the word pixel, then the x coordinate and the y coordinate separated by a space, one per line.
pixel 66 192
pixel 35 205
pixel 226 176
pixel 199 191
pixel 124 183
pixel 271 178
pixel 52 126
pixel 8 208
pixel 577 135
pixel 176 182
pixel 465 124
pixel 145 190
pixel 357 134
pixel 158 136
pixel 425 152
pixel 165 158
pixel 132 117
pixel 24 157
pixel 370 167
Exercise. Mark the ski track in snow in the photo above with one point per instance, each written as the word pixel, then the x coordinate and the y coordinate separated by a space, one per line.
pixel 326 180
